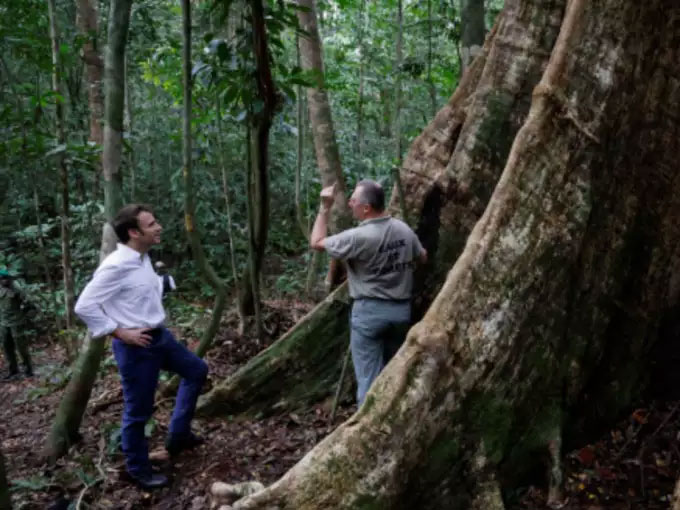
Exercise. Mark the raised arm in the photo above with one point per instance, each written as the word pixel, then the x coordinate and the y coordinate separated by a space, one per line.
pixel 320 229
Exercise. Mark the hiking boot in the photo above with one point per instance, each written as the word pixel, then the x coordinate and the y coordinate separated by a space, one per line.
pixel 176 446
pixel 150 481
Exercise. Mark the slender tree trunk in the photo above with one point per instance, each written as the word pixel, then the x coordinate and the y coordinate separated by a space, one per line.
pixel 472 30
pixel 430 83
pixel 190 222
pixel 68 418
pixel 63 169
pixel 227 193
pixel 362 63
pixel 397 87
pixel 88 26
pixel 254 258
pixel 303 222
pixel 321 118
pixel 258 135
pixel 41 244
pixel 300 154
pixel 546 320
pixel 323 132
pixel 130 120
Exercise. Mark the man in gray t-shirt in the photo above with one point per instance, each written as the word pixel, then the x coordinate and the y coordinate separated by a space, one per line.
pixel 380 255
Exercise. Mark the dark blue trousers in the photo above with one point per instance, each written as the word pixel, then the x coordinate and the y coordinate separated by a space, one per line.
pixel 139 368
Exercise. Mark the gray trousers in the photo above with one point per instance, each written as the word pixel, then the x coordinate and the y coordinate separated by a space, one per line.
pixel 378 328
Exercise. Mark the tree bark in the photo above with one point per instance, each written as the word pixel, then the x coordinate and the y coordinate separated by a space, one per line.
pixel 362 25
pixel 63 170
pixel 323 132
pixel 472 30
pixel 69 415
pixel 398 60
pixel 321 118
pixel 190 222
pixel 258 145
pixel 130 122
pixel 87 19
pixel 545 320
pixel 430 83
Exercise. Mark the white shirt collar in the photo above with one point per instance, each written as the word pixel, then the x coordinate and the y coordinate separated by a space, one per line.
pixel 129 253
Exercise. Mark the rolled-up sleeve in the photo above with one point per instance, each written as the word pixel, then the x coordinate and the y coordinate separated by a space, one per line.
pixel 104 284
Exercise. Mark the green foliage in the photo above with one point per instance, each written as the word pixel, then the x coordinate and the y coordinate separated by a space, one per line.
pixel 359 44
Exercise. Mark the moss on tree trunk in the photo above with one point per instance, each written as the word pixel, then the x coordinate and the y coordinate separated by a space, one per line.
pixel 306 361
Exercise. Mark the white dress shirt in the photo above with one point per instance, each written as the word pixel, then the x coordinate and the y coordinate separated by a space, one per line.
pixel 125 292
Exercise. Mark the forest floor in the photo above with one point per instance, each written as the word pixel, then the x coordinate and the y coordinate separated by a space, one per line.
pixel 633 466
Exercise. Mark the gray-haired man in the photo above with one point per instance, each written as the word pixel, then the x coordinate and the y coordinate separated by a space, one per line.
pixel 380 254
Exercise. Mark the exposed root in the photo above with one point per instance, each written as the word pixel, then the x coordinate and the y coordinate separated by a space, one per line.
pixel 488 491
pixel 555 497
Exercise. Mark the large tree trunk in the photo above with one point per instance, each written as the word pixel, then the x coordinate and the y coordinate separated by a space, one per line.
pixel 64 431
pixel 546 319
pixel 448 177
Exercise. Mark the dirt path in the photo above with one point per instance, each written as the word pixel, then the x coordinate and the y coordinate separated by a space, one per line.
pixel 633 466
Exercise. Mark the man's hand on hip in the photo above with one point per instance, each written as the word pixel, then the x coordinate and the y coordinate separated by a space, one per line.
pixel 137 336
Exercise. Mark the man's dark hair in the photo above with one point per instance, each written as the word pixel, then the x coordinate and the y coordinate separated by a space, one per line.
pixel 372 194
pixel 127 219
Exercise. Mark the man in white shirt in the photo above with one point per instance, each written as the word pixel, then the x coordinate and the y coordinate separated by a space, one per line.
pixel 124 299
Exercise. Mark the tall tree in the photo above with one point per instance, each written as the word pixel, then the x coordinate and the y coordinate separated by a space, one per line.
pixel 430 82
pixel 398 62
pixel 88 26
pixel 64 431
pixel 472 30
pixel 321 121
pixel 190 223
pixel 361 40
pixel 259 123
pixel 546 320
pixel 69 293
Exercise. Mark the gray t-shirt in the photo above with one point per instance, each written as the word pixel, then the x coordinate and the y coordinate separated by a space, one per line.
pixel 380 255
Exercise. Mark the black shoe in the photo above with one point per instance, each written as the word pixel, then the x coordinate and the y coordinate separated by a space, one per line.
pixel 150 481
pixel 175 446
pixel 28 372
pixel 11 375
